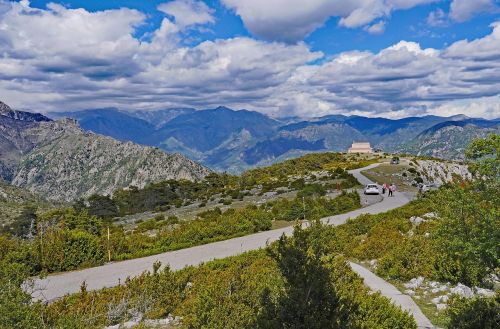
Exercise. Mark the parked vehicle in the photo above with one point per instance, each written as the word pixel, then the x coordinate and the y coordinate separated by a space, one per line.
pixel 395 161
pixel 372 189
pixel 423 188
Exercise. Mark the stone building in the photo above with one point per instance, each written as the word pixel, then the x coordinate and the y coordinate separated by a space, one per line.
pixel 358 147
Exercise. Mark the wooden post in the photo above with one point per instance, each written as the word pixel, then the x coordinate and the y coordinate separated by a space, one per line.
pixel 109 251
pixel 304 208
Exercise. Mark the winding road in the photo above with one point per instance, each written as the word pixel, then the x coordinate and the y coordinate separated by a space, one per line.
pixel 58 285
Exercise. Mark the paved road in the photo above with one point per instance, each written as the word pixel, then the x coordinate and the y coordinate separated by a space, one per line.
pixel 388 290
pixel 112 274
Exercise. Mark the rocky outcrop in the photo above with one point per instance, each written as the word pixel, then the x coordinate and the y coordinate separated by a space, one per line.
pixel 440 172
pixel 448 141
pixel 6 111
pixel 62 162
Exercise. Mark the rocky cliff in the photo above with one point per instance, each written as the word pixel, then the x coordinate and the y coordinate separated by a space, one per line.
pixel 62 162
pixel 450 139
pixel 6 111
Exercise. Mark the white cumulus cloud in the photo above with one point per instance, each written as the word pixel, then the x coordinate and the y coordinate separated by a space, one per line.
pixel 60 58
pixel 292 20
pixel 188 12
pixel 463 10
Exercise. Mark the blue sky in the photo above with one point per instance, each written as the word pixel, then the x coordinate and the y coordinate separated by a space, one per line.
pixel 389 58
pixel 409 24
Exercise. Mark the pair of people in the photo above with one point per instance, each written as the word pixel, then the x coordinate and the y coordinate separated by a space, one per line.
pixel 391 188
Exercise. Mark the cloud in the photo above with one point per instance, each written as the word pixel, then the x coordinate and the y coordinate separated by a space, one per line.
pixel 481 50
pixel 61 40
pixel 437 18
pixel 403 79
pixel 485 107
pixel 292 20
pixel 188 12
pixel 60 58
pixel 377 28
pixel 463 10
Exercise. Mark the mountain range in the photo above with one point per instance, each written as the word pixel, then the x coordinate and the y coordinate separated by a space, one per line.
pixel 61 161
pixel 228 140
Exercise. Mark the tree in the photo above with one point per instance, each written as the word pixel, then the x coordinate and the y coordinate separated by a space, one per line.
pixel 468 229
pixel 484 154
pixel 310 298
pixel 16 308
pixel 102 206
pixel 25 223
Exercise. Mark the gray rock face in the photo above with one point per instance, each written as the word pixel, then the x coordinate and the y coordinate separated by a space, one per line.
pixel 6 111
pixel 62 162
pixel 448 142
pixel 441 172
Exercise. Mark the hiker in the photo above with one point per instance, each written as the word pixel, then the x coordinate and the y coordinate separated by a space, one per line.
pixel 390 189
pixel 384 187
pixel 393 189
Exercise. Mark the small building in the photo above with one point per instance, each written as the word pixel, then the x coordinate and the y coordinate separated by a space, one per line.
pixel 360 147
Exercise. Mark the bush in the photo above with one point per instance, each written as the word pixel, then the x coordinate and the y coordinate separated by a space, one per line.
pixel 81 249
pixel 16 308
pixel 478 312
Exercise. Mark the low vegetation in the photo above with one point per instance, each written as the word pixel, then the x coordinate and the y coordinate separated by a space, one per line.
pixel 294 283
pixel 290 174
pixel 68 239
pixel 448 235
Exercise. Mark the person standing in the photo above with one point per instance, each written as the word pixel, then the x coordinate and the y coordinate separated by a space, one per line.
pixel 384 187
pixel 390 189
pixel 393 189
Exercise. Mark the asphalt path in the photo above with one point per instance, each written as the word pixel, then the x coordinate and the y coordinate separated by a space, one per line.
pixel 112 274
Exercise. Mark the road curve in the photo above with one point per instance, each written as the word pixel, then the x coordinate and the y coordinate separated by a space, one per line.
pixel 109 275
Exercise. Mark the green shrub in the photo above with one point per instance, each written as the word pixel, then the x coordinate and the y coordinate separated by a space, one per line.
pixel 16 308
pixel 410 258
pixel 478 312
pixel 81 249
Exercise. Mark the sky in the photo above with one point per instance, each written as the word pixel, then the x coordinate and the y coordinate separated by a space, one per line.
pixel 386 58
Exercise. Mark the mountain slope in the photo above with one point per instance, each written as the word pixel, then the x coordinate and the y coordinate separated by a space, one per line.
pixel 110 122
pixel 228 140
pixel 13 200
pixel 6 111
pixel 207 129
pixel 63 162
pixel 449 139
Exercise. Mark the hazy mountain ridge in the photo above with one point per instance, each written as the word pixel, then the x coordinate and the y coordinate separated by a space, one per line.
pixel 228 140
pixel 61 161
pixel 449 139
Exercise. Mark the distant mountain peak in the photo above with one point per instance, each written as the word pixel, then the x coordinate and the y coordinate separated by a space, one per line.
pixel 7 111
pixel 223 108
pixel 460 117
pixel 4 107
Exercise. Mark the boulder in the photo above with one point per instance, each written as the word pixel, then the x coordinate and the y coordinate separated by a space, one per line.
pixel 462 290
pixel 415 220
pixel 484 292
pixel 441 307
pixel 414 283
